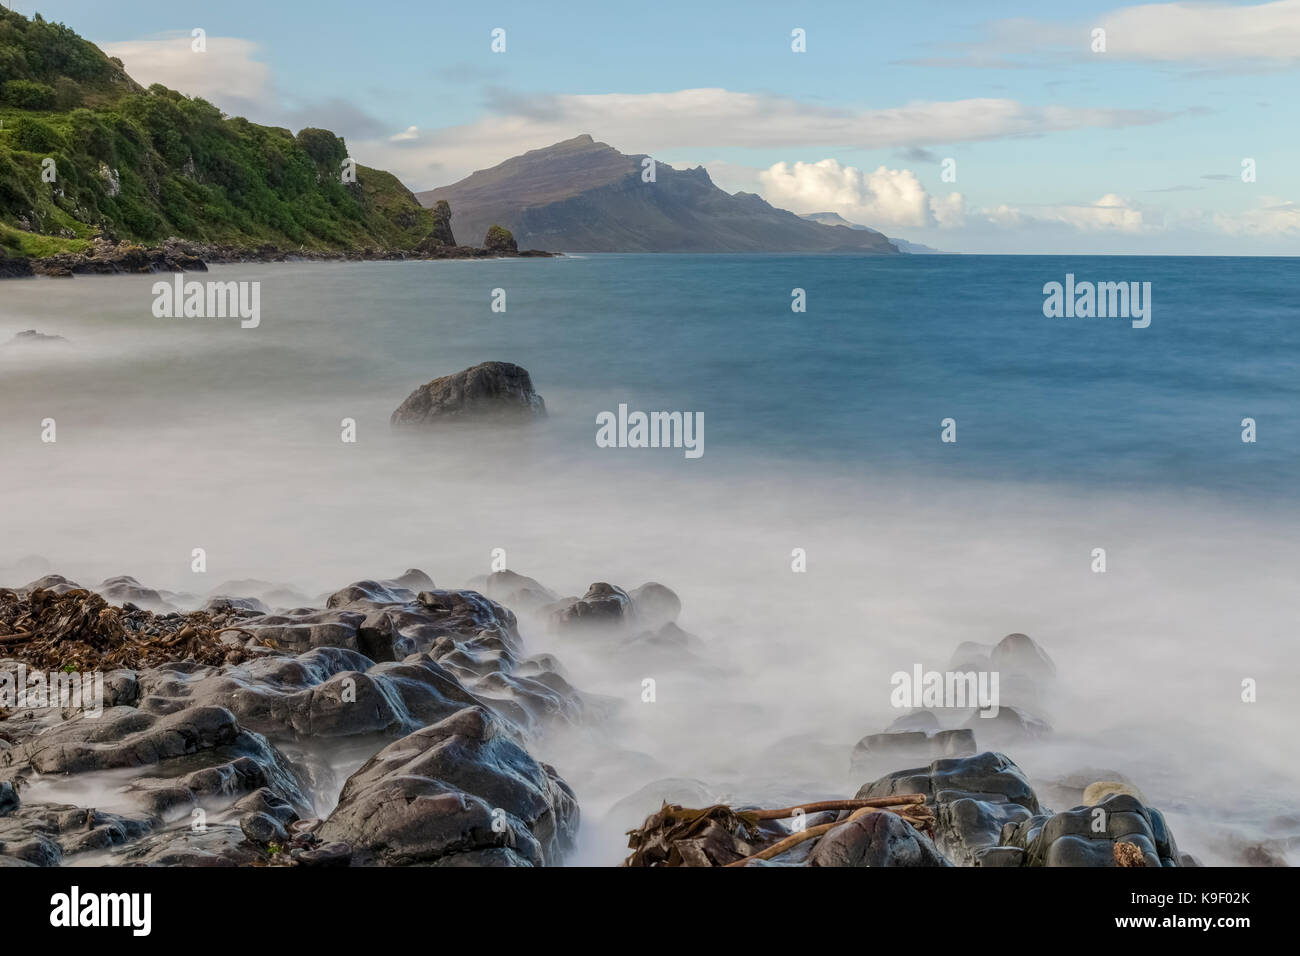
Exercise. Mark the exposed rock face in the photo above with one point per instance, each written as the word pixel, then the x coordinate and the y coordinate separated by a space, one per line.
pixel 442 224
pixel 459 791
pixel 603 606
pixel 107 257
pixel 514 590
pixel 973 798
pixel 1073 838
pixel 911 744
pixel 492 391
pixel 14 267
pixel 500 240
pixel 877 839
pixel 249 741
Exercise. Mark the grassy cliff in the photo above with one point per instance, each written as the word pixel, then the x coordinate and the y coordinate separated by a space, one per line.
pixel 145 164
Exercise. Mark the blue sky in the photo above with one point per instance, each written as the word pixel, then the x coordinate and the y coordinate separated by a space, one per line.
pixel 1057 147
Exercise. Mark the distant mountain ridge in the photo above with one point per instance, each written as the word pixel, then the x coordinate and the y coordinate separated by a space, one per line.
pixel 581 195
pixel 835 219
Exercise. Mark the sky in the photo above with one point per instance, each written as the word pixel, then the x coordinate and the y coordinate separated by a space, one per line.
pixel 978 127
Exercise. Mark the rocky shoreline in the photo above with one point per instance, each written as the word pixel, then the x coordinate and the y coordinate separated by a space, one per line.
pixel 393 722
pixel 108 257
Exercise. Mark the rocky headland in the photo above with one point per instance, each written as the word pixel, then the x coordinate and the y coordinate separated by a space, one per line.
pixel 111 257
pixel 393 722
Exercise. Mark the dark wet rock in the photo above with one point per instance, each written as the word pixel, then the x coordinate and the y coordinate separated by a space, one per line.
pixel 125 589
pixel 14 267
pixel 45 834
pixel 515 591
pixel 327 854
pixel 27 845
pixel 491 391
pixel 326 692
pixel 459 786
pixel 374 592
pixel 1009 725
pixel 1026 673
pixel 223 603
pixel 297 631
pixel 263 829
pixel 121 688
pixel 9 801
pixel 603 607
pixel 1090 836
pixel 272 595
pixel 911 744
pixel 215 845
pixel 973 798
pixel 110 257
pixel 56 583
pixel 438 651
pixel 655 605
pixel 32 337
pixel 918 720
pixel 127 737
pixel 185 756
pixel 1019 654
pixel 876 839
pixel 667 642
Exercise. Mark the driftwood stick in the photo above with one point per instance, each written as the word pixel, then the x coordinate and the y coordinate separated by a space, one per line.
pixel 16 638
pixel 794 839
pixel 894 801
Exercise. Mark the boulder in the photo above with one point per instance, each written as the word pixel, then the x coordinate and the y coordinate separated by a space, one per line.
pixel 460 786
pixel 973 799
pixel 491 392
pixel 603 606
pixel 1119 831
pixel 500 240
pixel 876 839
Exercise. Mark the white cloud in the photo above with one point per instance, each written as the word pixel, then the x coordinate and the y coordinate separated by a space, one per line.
pixel 227 74
pixel 719 118
pixel 408 134
pixel 1273 217
pixel 1109 213
pixel 895 198
pixel 886 197
pixel 1203 33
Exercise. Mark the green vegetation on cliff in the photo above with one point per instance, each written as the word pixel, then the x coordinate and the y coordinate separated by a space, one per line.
pixel 146 164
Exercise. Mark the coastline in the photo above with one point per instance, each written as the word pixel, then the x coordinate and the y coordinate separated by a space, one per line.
pixel 107 257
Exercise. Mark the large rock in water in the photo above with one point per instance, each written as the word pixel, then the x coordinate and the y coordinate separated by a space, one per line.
pixel 499 239
pixel 492 391
pixel 458 792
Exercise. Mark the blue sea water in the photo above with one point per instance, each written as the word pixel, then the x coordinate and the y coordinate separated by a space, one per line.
pixel 822 432
pixel 888 348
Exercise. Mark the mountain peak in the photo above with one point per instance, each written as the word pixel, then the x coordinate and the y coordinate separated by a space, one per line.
pixel 582 195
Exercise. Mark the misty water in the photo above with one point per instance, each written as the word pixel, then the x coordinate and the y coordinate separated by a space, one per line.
pixel 821 432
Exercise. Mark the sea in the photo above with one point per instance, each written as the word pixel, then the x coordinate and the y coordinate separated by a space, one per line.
pixel 897 455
